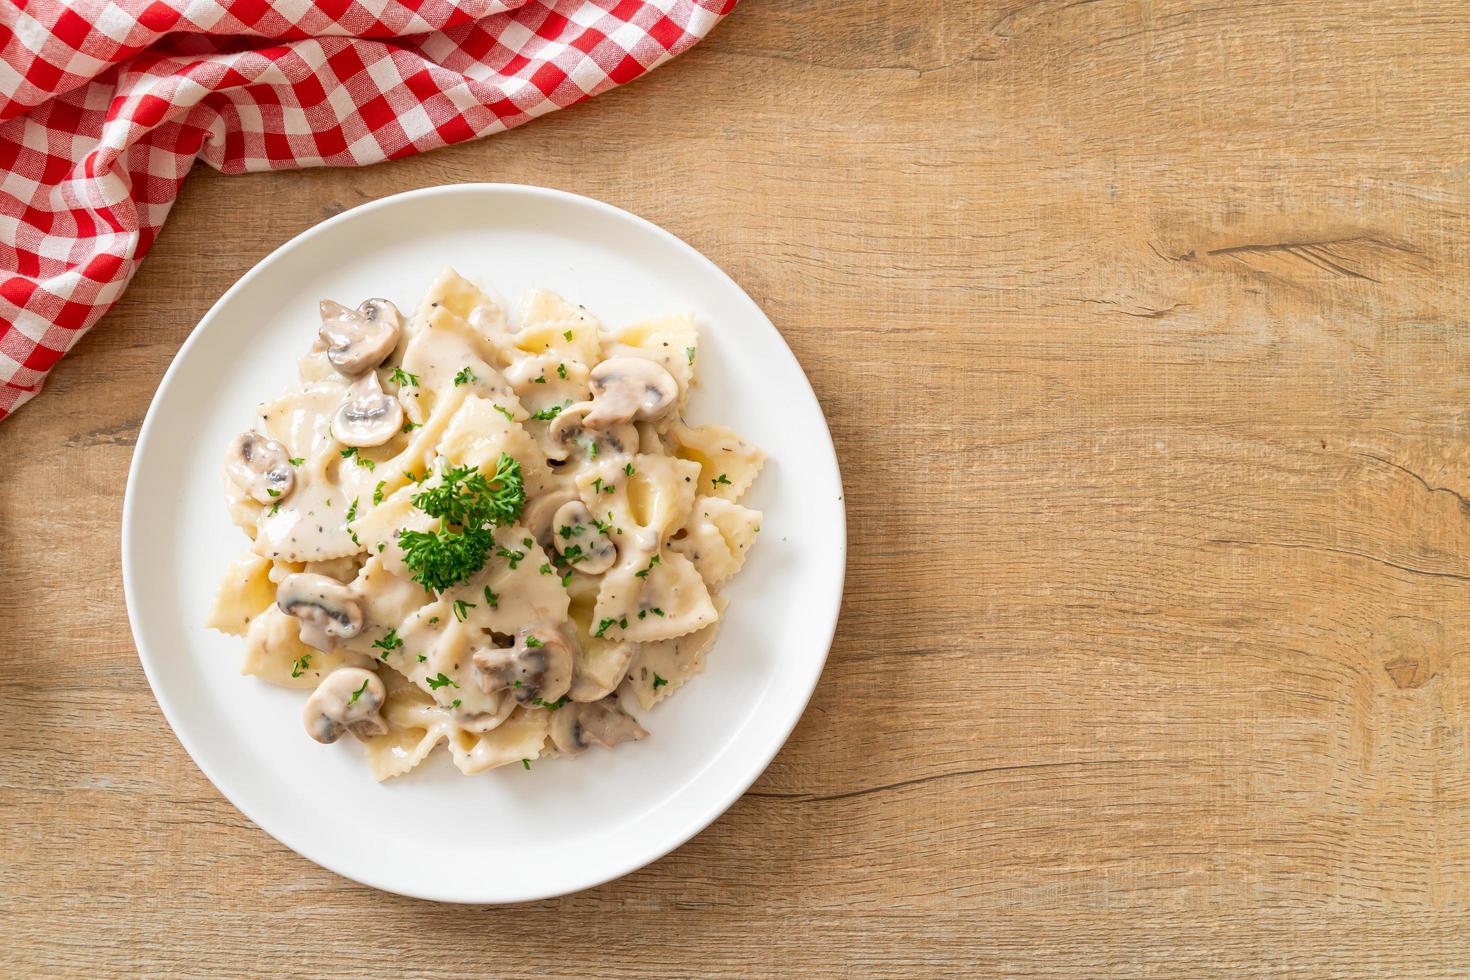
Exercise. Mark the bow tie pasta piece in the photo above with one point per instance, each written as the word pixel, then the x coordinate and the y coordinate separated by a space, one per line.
pixel 415 726
pixel 598 663
pixel 521 736
pixel 274 653
pixel 388 599
pixel 518 587
pixel 669 341
pixel 728 465
pixel 244 593
pixel 661 668
pixel 444 350
pixel 716 538
pixel 480 432
pixel 661 599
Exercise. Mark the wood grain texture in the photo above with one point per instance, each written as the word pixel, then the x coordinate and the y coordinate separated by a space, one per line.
pixel 1141 327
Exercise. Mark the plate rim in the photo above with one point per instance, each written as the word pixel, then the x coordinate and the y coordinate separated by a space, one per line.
pixel 708 813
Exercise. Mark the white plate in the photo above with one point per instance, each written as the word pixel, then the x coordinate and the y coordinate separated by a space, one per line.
pixel 507 835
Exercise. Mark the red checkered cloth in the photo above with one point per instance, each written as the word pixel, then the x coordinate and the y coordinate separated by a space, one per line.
pixel 106 104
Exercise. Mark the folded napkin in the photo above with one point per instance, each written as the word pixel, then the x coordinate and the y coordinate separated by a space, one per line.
pixel 106 104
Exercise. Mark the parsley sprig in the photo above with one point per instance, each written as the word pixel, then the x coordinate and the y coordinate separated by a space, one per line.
pixel 468 505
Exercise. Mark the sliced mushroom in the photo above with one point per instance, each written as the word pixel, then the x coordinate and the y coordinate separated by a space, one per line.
pixel 580 542
pixel 327 609
pixel 540 512
pixel 625 389
pixel 481 722
pixel 537 668
pixel 259 466
pixel 577 725
pixel 347 700
pixel 368 417
pixel 570 428
pixel 359 340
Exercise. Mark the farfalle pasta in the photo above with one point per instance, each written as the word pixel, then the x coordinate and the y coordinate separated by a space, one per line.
pixel 497 536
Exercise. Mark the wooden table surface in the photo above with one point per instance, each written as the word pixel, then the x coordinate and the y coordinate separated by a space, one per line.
pixel 1142 332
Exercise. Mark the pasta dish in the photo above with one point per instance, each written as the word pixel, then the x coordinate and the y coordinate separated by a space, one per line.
pixel 499 536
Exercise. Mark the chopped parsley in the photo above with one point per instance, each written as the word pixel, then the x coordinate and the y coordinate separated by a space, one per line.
pixel 545 569
pixel 721 480
pixel 439 681
pixel 658 682
pixel 547 414
pixel 539 381
pixel 422 658
pixel 689 353
pixel 300 665
pixel 532 642
pixel 297 460
pixel 402 377
pixel 351 453
pixel 410 426
pixel 602 526
pixel 592 449
pixel 566 578
pixel 390 641
pixel 567 334
pixel 461 609
pixel 358 693
pixel 468 505
pixel 655 610
pixel 512 557
pixel 491 599
pixel 602 627
pixel 378 492
pixel 510 416
pixel 527 764
pixel 273 492
pixel 651 562
pixel 628 469
pixel 275 509
pixel 454 703
pixel 552 705
pixel 465 376
pixel 561 371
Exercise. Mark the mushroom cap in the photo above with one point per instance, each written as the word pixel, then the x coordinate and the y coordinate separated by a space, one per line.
pixel 347 700
pixel 369 417
pixel 594 551
pixel 361 339
pixel 539 514
pixel 538 667
pixel 625 389
pixel 577 725
pixel 325 609
pixel 574 425
pixel 260 467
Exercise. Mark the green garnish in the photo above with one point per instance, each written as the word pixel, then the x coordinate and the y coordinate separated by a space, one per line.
pixel 402 377
pixel 602 526
pixel 532 642
pixel 721 480
pixel 592 449
pixel 561 371
pixel 378 492
pixel 539 381
pixel 297 460
pixel 658 682
pixel 545 569
pixel 300 665
pixel 547 414
pixel 390 641
pixel 468 505
pixel 439 681
pixel 273 493
pixel 491 599
pixel 566 578
pixel 410 426
pixel 509 415
pixel 602 627
pixel 352 511
pixel 275 509
pixel 552 705
pixel 567 334
pixel 351 453
pixel 628 469
pixel 461 609
pixel 527 764
pixel 689 353
pixel 511 557
pixel 651 562
pixel 465 376
pixel 422 658
pixel 358 693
